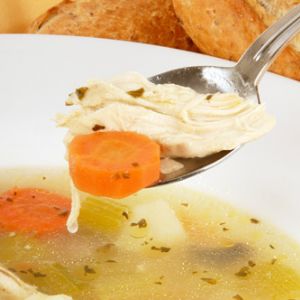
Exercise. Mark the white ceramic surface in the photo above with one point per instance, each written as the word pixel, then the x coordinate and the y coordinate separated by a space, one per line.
pixel 37 73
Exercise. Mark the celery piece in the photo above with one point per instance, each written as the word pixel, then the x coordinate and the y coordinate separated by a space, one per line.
pixel 50 278
pixel 103 214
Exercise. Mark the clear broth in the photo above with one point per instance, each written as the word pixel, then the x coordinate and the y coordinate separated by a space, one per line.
pixel 227 255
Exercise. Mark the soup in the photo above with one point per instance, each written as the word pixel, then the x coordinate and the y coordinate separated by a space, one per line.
pixel 161 243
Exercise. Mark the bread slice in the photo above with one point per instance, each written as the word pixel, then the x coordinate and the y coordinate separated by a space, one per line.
pixel 225 28
pixel 148 21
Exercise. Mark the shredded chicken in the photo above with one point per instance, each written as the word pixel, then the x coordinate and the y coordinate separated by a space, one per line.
pixel 72 223
pixel 185 123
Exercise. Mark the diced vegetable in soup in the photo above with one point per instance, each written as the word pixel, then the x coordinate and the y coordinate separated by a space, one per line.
pixel 162 243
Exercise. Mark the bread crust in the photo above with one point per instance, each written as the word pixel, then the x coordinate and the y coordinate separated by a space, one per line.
pixel 271 10
pixel 225 28
pixel 147 21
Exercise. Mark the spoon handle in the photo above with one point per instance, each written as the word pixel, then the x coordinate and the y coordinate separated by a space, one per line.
pixel 256 60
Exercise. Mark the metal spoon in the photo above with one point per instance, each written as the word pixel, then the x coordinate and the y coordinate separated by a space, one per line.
pixel 243 79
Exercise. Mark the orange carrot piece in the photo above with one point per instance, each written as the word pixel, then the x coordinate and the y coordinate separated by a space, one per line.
pixel 31 210
pixel 113 164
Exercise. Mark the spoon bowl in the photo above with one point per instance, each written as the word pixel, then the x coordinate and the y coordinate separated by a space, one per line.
pixel 241 79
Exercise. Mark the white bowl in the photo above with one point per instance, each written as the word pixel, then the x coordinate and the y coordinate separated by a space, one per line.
pixel 37 73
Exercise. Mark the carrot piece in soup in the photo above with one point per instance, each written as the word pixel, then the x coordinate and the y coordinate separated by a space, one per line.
pixel 31 210
pixel 113 164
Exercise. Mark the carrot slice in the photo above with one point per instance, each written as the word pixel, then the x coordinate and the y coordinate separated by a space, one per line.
pixel 34 211
pixel 113 164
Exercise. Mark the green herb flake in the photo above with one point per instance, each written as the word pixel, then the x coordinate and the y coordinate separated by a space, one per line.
pixel 161 249
pixel 141 223
pixel 111 261
pixel 80 93
pixel 88 270
pixel 98 127
pixel 251 263
pixel 125 215
pixel 36 274
pixel 136 93
pixel 271 246
pixel 209 280
pixel 243 272
pixel 185 204
pixel 254 221
pixel 208 97
pixel 158 282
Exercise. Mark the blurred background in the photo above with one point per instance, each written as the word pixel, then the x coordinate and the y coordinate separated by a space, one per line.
pixel 221 28
pixel 16 15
